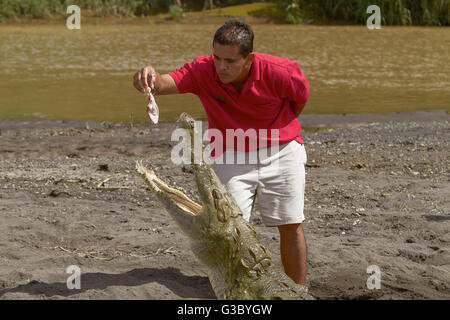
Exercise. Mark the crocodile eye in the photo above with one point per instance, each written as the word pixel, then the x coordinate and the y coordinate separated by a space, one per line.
pixel 216 194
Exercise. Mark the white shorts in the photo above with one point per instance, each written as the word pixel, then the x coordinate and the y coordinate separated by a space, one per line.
pixel 278 180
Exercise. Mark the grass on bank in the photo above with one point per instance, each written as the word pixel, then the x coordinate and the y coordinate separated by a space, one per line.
pixel 251 9
pixel 270 11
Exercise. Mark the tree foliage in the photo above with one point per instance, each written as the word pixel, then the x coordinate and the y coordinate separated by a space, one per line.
pixel 394 12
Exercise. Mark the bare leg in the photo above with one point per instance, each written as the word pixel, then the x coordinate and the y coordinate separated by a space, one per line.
pixel 293 251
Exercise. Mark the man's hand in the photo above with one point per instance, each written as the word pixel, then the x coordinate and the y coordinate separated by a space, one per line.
pixel 144 79
pixel 147 79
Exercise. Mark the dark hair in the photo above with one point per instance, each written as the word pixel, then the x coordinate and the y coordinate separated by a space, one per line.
pixel 237 33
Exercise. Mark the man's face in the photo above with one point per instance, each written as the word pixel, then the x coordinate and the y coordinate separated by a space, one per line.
pixel 230 65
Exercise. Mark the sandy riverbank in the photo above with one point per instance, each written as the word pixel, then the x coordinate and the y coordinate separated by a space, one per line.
pixel 377 194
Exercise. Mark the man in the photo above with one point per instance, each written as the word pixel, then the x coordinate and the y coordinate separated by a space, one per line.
pixel 244 90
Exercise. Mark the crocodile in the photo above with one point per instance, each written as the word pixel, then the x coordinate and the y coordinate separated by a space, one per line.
pixel 238 265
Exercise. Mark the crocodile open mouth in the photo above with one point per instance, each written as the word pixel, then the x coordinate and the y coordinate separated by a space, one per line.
pixel 178 197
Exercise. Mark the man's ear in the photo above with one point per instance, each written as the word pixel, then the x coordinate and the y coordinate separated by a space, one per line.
pixel 250 58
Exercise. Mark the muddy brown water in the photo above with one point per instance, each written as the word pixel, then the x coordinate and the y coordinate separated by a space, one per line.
pixel 49 71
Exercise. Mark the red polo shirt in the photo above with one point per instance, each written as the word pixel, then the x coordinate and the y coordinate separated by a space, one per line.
pixel 271 95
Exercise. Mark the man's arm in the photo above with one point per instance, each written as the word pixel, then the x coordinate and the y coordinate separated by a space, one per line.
pixel 296 88
pixel 160 84
pixel 165 84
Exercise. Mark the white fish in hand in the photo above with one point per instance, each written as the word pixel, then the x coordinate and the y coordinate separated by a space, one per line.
pixel 152 108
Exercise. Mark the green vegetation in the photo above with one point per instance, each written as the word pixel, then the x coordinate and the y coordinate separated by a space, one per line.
pixel 394 12
pixel 240 10
pixel 272 11
pixel 175 12
pixel 57 8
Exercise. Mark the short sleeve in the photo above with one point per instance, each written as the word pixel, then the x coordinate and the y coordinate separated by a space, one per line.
pixel 296 87
pixel 184 78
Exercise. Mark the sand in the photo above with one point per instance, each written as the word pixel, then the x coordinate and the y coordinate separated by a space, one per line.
pixel 377 195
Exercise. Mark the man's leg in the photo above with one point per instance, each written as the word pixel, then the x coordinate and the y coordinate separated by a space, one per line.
pixel 281 202
pixel 293 251
pixel 241 181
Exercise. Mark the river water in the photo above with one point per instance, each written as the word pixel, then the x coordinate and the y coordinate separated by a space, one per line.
pixel 52 72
